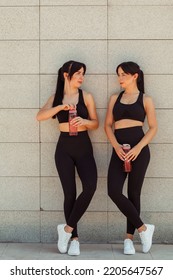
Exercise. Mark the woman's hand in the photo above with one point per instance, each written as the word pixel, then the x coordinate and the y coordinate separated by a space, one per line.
pixel 67 107
pixel 133 153
pixel 78 121
pixel 120 152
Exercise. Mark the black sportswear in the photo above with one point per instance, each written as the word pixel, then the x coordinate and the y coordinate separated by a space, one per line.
pixel 134 111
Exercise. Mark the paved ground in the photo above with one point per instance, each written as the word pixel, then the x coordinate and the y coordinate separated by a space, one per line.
pixel 40 251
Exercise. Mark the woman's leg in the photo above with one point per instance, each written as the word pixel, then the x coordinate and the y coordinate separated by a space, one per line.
pixel 87 171
pixel 135 182
pixel 66 170
pixel 116 178
pixel 77 152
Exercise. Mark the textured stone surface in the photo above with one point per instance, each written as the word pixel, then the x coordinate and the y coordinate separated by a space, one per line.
pixel 26 129
pixel 139 3
pixel 19 91
pixel 86 51
pixel 20 226
pixel 96 27
pixel 19 159
pixel 139 16
pixel 147 53
pixel 19 57
pixel 19 23
pixel 36 38
pixel 19 193
pixel 7 3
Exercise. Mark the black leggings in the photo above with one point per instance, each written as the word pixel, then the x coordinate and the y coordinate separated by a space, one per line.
pixel 71 152
pixel 130 206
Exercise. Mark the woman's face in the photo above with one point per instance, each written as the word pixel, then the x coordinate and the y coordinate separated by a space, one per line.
pixel 126 80
pixel 77 78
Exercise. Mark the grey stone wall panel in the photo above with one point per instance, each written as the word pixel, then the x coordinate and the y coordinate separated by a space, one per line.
pixel 20 226
pixel 147 53
pixel 58 17
pixel 19 57
pixel 19 23
pixel 147 22
pixel 19 159
pixel 19 91
pixel 73 2
pixel 140 3
pixel 92 52
pixel 19 193
pixel 8 3
pixel 18 125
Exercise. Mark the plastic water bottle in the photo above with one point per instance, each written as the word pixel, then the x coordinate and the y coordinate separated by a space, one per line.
pixel 72 129
pixel 127 164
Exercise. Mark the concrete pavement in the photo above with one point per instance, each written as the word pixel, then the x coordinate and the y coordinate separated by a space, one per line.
pixel 42 251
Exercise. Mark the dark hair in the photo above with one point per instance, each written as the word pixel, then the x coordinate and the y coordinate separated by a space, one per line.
pixel 133 68
pixel 69 67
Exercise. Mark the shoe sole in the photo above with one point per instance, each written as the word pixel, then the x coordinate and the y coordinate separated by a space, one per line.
pixel 73 254
pixel 127 253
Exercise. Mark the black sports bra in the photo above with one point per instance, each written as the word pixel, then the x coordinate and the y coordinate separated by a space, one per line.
pixel 134 111
pixel 82 110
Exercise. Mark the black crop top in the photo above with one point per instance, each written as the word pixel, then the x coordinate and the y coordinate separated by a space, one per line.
pixel 82 110
pixel 134 111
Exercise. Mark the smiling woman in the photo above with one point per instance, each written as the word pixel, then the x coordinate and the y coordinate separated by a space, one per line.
pixel 125 115
pixel 73 151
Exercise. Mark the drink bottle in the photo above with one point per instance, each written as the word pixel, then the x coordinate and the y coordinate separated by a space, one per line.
pixel 127 164
pixel 72 128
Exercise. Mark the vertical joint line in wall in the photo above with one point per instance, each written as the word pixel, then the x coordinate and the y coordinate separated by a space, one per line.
pixel 107 100
pixel 39 130
pixel 107 46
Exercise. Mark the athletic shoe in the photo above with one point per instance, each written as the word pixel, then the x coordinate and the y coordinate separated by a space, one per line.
pixel 74 249
pixel 146 238
pixel 128 247
pixel 63 238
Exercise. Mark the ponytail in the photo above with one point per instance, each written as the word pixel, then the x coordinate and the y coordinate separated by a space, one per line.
pixel 140 81
pixel 59 89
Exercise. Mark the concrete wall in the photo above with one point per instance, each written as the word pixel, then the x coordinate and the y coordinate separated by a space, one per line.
pixel 36 37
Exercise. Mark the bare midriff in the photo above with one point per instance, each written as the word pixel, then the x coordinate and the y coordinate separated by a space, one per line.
pixel 64 127
pixel 125 123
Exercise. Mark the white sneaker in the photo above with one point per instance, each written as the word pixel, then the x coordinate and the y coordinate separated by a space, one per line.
pixel 128 247
pixel 146 238
pixel 63 238
pixel 74 249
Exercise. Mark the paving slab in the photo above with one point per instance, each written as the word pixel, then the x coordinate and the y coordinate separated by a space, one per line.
pixel 46 251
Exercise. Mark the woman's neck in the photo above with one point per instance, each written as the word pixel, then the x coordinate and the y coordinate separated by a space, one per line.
pixel 68 90
pixel 131 90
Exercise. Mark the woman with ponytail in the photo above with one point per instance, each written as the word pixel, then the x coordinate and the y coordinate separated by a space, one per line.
pixel 123 125
pixel 73 152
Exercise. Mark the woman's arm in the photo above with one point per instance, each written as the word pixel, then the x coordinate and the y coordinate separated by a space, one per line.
pixel 152 130
pixel 92 122
pixel 47 111
pixel 152 122
pixel 109 121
